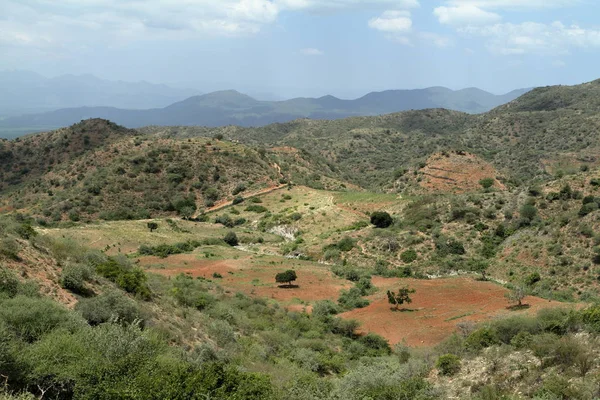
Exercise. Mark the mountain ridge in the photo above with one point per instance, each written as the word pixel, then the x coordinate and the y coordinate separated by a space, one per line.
pixel 230 107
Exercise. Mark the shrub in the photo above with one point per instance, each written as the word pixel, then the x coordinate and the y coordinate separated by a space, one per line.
pixel 381 219
pixel 324 308
pixel 376 343
pixel 74 277
pixel 351 299
pixel 107 307
pixel 408 256
pixel 238 189
pixel 9 283
pixel 481 338
pixel 152 226
pixel 365 286
pixel 486 183
pixel 587 209
pixel 346 244
pixel 237 200
pixel 128 278
pixel 448 364
pixel 190 293
pixel 9 248
pixel 31 318
pixel 257 209
pixel 528 212
pixel 231 239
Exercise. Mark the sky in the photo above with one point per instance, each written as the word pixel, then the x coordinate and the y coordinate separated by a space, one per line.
pixel 288 48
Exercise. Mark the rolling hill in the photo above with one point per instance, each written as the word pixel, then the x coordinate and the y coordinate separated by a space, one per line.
pixel 234 108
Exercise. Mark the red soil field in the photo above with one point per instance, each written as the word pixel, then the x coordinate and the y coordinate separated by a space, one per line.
pixel 314 282
pixel 438 306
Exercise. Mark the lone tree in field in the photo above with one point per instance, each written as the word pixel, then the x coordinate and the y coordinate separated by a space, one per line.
pixel 403 296
pixel 517 294
pixel 286 277
pixel 480 267
pixel 381 219
pixel 152 226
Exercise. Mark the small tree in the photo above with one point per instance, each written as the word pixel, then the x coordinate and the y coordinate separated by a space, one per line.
pixel 517 294
pixel 403 296
pixel 381 219
pixel 286 277
pixel 152 226
pixel 231 238
pixel 480 267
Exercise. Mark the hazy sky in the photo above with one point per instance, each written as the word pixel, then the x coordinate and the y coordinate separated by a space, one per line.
pixel 307 47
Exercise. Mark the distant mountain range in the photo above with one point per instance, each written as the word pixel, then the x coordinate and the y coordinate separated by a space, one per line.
pixel 234 108
pixel 26 92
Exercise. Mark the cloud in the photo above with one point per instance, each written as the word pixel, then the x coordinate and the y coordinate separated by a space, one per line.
pixel 513 4
pixel 311 52
pixel 89 22
pixel 465 15
pixel 392 22
pixel 535 38
pixel 332 5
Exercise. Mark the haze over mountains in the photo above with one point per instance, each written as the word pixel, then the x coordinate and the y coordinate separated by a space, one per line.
pixel 73 98
pixel 25 92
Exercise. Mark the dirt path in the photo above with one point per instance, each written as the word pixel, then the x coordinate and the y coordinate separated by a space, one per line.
pixel 226 203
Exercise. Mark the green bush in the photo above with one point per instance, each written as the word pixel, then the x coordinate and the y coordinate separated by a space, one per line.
pixel 237 200
pixel 351 299
pixel 74 276
pixel 257 209
pixel 408 256
pixel 31 318
pixel 481 338
pixel 111 306
pixel 448 364
pixel 9 283
pixel 231 238
pixel 10 248
pixel 381 219
pixel 345 244
pixel 127 277
pixel 486 183
pixel 190 293
pixel 377 345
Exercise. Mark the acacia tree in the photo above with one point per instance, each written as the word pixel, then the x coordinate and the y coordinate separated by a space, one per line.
pixel 480 267
pixel 286 277
pixel 403 296
pixel 152 226
pixel 517 294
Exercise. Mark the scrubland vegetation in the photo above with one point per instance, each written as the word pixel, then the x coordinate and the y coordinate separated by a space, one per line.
pixel 179 263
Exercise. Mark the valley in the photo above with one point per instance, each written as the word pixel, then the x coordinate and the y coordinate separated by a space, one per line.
pixel 328 252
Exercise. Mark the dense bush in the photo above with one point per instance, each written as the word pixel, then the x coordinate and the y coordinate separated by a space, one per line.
pixel 381 219
pixel 190 293
pixel 351 299
pixel 408 256
pixel 127 277
pixel 448 364
pixel 111 306
pixel 74 276
pixel 231 238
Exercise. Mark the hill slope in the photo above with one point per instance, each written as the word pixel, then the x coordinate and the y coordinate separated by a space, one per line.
pixel 233 108
pixel 547 131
